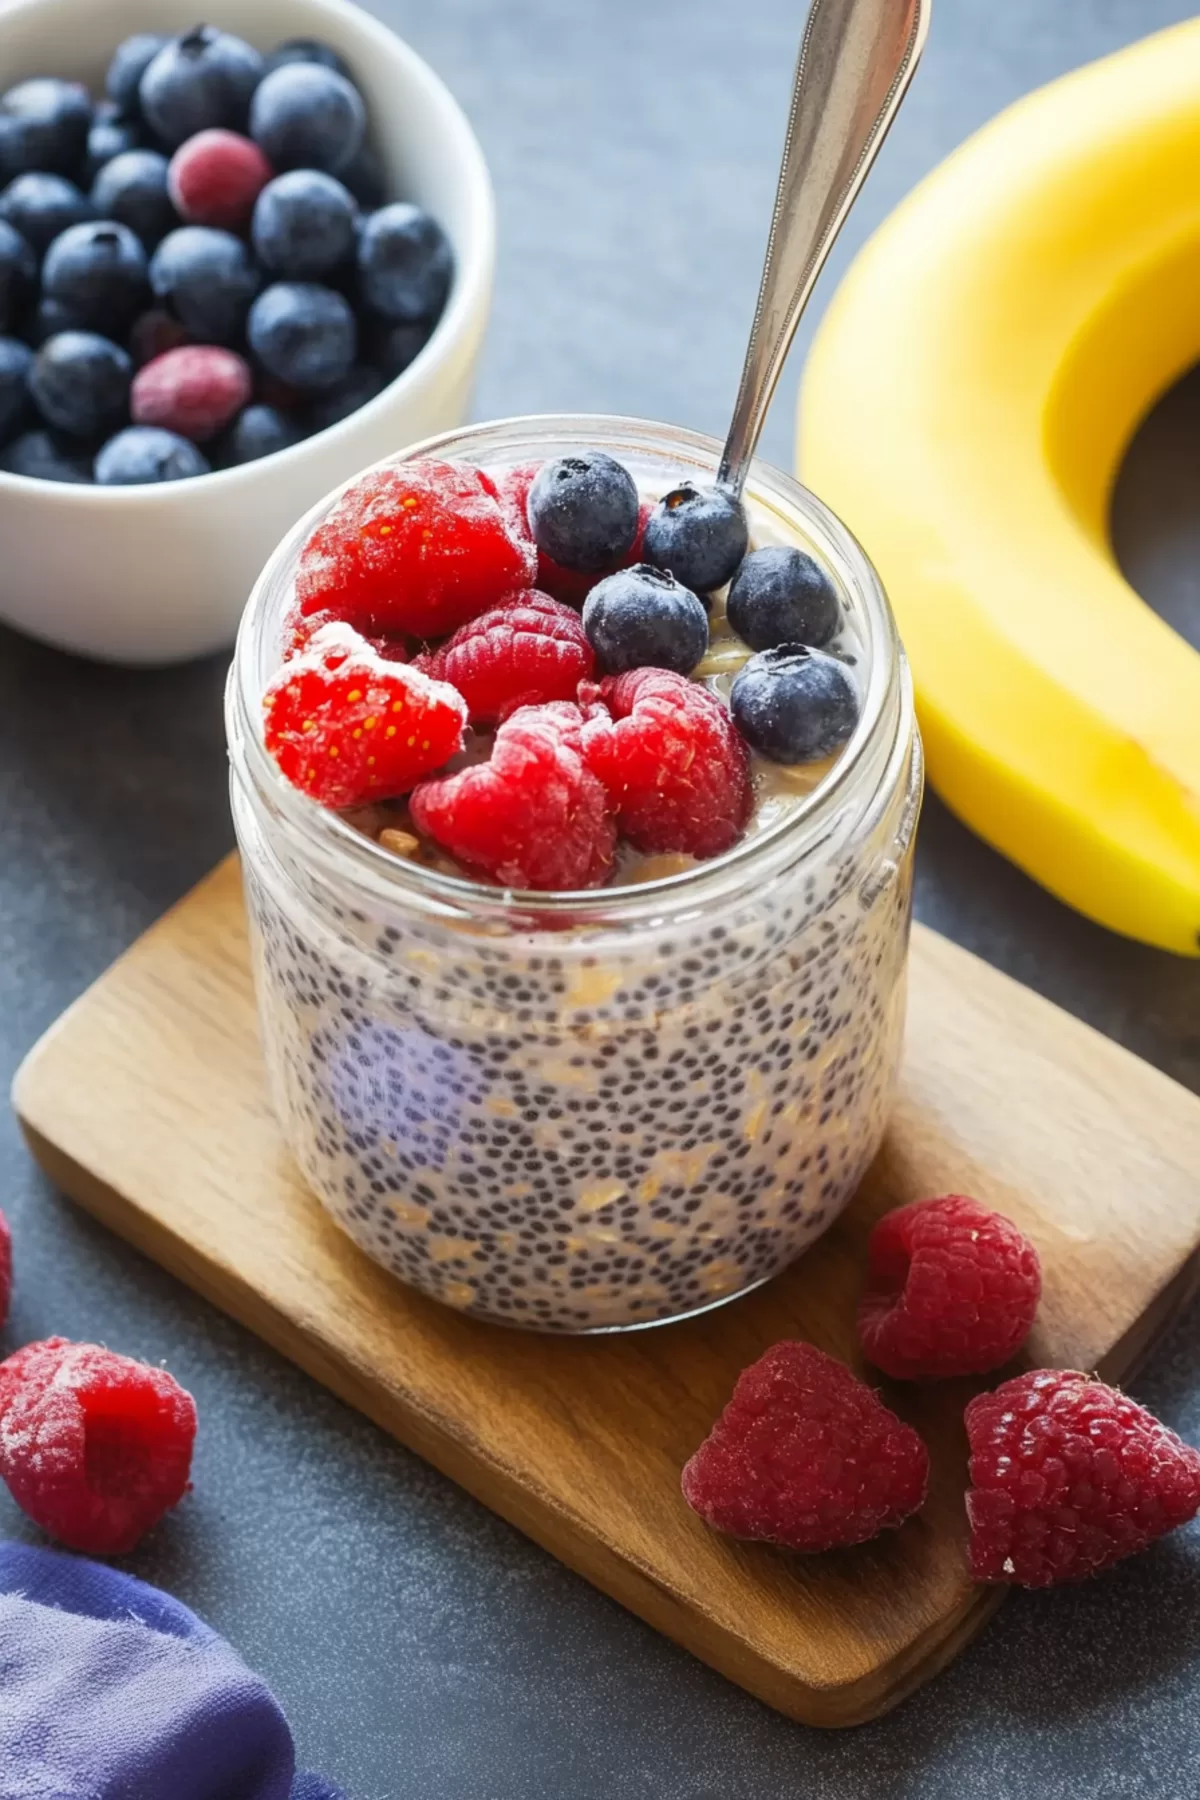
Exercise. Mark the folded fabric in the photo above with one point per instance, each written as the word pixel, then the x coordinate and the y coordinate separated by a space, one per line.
pixel 111 1690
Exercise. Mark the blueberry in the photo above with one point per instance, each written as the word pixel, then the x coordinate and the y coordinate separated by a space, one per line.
pixel 699 534
pixel 258 431
pixel 781 595
pixel 793 704
pixel 108 137
pixel 41 206
pixel 46 457
pixel 48 318
pixel 209 280
pixel 99 272
pixel 307 117
pixel 404 263
pixel 304 224
pixel 303 334
pixel 365 178
pixel 18 275
pixel 583 511
pixel 336 403
pixel 80 383
pixel 393 347
pixel 132 188
pixel 16 360
pixel 643 618
pixel 143 453
pixel 307 50
pixel 44 125
pixel 202 79
pixel 130 61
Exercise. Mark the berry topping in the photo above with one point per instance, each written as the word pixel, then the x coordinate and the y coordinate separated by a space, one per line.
pixel 197 81
pixel 44 126
pixel 782 595
pixel 806 1455
pixel 522 652
pixel 98 270
pixel 18 272
pixel 216 177
pixel 207 279
pixel 132 188
pixel 16 361
pixel 41 207
pixel 419 548
pixel 404 264
pixel 94 1447
pixel 1068 1477
pixel 952 1289
pixel 308 117
pixel 80 383
pixel 794 705
pixel 676 771
pixel 641 618
pixel 583 511
pixel 346 726
pixel 699 535
pixel 534 817
pixel 143 453
pixel 194 391
pixel 304 225
pixel 572 586
pixel 304 334
pixel 6 1268
pixel 130 61
pixel 259 431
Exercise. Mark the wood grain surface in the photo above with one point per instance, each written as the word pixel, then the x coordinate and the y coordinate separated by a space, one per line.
pixel 146 1103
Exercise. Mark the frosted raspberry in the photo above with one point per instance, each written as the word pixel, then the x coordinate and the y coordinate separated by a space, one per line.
pixel 806 1455
pixel 952 1289
pixel 215 178
pixel 568 585
pixel 526 650
pixel 1068 1477
pixel 345 726
pixel 299 630
pixel 194 390
pixel 675 768
pixel 417 549
pixel 94 1447
pixel 532 817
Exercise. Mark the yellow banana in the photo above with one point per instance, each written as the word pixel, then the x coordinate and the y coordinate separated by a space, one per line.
pixel 965 408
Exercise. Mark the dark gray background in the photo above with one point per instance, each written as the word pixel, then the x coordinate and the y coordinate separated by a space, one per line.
pixel 420 1646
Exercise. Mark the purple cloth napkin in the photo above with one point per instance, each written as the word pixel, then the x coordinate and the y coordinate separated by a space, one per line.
pixel 111 1690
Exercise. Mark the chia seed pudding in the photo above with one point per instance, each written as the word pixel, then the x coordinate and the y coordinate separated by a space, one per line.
pixel 581 1112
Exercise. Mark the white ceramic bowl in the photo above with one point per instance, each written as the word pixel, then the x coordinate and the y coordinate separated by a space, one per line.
pixel 160 574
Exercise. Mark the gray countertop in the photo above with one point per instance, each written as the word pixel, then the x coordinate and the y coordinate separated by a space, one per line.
pixel 421 1647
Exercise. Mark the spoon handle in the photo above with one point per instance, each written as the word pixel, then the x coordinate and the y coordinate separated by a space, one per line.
pixel 856 60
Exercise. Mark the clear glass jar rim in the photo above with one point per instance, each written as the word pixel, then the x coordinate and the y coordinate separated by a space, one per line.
pixel 381 876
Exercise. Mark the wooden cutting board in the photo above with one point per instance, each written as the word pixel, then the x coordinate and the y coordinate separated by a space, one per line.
pixel 146 1104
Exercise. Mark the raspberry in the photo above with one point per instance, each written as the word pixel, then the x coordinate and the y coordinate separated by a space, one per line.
pixel 299 630
pixel 95 1447
pixel 952 1289
pixel 674 767
pixel 1068 1477
pixel 5 1268
pixel 345 726
pixel 215 178
pixel 526 650
pixel 806 1455
pixel 534 816
pixel 420 548
pixel 194 390
pixel 568 585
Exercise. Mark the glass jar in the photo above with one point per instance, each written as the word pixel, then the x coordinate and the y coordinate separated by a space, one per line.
pixel 593 1111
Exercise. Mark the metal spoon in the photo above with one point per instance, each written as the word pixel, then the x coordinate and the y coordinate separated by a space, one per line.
pixel 856 60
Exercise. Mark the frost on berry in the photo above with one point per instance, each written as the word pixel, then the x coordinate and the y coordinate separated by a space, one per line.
pixel 525 651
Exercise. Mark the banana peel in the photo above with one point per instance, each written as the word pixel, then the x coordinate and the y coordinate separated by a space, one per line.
pixel 965 408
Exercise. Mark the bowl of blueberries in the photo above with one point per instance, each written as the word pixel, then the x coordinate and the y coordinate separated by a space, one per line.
pixel 239 261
